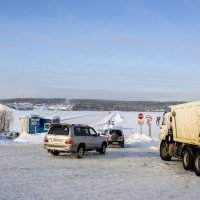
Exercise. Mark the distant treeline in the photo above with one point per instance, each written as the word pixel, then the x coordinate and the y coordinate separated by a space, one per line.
pixel 35 101
pixel 101 105
pixel 96 104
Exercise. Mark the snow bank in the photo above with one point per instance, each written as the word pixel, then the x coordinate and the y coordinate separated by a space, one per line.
pixel 31 138
pixel 118 119
pixel 138 140
pixel 2 107
pixel 115 118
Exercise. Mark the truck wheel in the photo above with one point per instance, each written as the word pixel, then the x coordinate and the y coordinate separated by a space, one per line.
pixel 197 163
pixel 103 149
pixel 187 158
pixel 55 153
pixel 164 147
pixel 80 152
pixel 122 145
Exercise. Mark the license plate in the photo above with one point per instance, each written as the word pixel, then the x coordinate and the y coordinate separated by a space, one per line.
pixel 57 140
pixel 115 142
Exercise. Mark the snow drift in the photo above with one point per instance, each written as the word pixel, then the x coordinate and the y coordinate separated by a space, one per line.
pixel 31 138
pixel 138 140
pixel 135 140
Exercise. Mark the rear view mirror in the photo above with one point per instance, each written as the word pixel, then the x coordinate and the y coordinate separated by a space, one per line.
pixel 158 121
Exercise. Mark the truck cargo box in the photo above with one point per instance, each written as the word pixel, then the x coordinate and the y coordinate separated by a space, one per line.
pixel 186 122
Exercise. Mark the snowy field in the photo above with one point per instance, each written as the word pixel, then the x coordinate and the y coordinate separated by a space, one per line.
pixel 126 120
pixel 93 118
pixel 27 171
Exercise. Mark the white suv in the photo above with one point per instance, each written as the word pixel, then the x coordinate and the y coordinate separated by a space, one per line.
pixel 74 138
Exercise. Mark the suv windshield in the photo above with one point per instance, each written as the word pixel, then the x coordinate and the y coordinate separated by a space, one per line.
pixel 118 132
pixel 59 130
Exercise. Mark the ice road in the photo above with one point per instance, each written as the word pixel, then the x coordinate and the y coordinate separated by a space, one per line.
pixel 27 171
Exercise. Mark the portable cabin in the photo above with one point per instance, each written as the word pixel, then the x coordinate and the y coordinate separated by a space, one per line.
pixel 37 124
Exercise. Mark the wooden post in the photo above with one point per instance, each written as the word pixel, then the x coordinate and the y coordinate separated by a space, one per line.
pixel 149 130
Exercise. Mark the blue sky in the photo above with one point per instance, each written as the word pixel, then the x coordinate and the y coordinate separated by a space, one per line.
pixel 105 49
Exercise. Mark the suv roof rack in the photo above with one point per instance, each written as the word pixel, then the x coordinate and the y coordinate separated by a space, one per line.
pixel 58 124
pixel 80 125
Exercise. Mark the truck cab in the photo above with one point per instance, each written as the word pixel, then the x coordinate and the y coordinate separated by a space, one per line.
pixel 165 124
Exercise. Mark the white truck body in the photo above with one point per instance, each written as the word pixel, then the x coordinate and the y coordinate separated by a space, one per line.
pixel 186 123
pixel 180 135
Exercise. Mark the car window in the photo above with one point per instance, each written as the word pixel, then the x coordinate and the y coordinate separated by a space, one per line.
pixel 118 132
pixel 59 130
pixel 77 131
pixel 85 131
pixel 93 132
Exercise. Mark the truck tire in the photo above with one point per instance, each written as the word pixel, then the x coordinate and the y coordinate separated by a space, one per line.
pixel 197 163
pixel 164 147
pixel 187 158
pixel 80 152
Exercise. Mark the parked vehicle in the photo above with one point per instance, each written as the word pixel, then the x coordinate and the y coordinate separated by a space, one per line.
pixel 180 135
pixel 115 137
pixel 74 139
pixel 9 135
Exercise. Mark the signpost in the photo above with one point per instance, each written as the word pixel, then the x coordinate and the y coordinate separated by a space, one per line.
pixel 149 119
pixel 140 121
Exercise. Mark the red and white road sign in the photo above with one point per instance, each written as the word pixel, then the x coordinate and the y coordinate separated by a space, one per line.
pixel 140 116
pixel 149 123
pixel 149 118
pixel 140 122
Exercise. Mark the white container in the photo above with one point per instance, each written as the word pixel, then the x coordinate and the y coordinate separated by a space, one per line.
pixel 186 122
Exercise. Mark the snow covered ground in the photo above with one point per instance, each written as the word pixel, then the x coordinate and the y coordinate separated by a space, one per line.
pixel 130 118
pixel 27 171
pixel 126 120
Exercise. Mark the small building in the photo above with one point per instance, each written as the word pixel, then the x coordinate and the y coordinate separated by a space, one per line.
pixel 37 124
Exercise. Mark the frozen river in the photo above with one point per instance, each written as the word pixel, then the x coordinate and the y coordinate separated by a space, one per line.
pixel 92 118
pixel 136 172
pixel 27 171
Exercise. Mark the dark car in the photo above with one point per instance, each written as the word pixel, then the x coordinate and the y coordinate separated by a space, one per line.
pixel 115 137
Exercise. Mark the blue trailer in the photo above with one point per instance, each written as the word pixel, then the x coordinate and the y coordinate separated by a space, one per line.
pixel 37 124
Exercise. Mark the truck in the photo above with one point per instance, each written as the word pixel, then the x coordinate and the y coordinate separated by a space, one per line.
pixel 180 135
